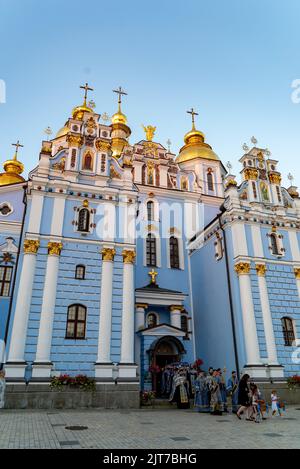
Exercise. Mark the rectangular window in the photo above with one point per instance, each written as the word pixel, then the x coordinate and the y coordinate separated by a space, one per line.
pixel 5 280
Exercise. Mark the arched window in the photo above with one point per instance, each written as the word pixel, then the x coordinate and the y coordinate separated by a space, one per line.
pixel 288 331
pixel 5 279
pixel 84 220
pixel 80 272
pixel 76 322
pixel 144 174
pixel 88 162
pixel 274 244
pixel 210 181
pixel 174 253
pixel 151 250
pixel 184 323
pixel 151 320
pixel 150 211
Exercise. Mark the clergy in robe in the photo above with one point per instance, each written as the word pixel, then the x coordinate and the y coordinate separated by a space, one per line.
pixel 201 393
pixel 232 389
pixel 179 392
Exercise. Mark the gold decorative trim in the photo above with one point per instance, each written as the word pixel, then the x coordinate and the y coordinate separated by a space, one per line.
pixel 102 145
pixel 85 203
pixel 176 308
pixel 75 140
pixel 230 182
pixel 297 273
pixel 54 249
pixel 261 269
pixel 242 268
pixel 275 178
pixel 251 173
pixel 141 305
pixel 128 256
pixel 108 254
pixel 31 246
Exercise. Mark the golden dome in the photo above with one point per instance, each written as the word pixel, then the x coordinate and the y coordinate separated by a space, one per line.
pixel 195 147
pixel 119 118
pixel 62 132
pixel 13 169
pixel 79 111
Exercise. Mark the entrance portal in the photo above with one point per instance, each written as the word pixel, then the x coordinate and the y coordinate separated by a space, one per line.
pixel 166 351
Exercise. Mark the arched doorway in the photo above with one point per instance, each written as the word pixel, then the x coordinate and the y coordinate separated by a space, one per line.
pixel 164 351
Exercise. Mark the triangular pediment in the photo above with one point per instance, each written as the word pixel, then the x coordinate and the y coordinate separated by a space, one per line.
pixel 162 330
pixel 9 246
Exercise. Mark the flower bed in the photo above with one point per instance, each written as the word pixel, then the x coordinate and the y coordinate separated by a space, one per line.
pixel 293 381
pixel 80 381
pixel 147 397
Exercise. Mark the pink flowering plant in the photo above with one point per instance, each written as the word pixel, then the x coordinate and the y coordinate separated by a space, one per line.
pixel 293 381
pixel 80 381
pixel 147 397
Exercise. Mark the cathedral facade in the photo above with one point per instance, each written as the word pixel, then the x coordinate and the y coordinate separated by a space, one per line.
pixel 119 258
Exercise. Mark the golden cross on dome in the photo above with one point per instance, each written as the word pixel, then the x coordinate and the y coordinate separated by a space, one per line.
pixel 193 114
pixel 86 88
pixel 153 276
pixel 17 145
pixel 121 93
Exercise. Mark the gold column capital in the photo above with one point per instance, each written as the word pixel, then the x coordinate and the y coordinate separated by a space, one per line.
pixel 251 174
pixel 31 246
pixel 141 305
pixel 176 308
pixel 108 254
pixel 54 249
pixel 128 256
pixel 242 268
pixel 261 269
pixel 297 273
pixel 275 178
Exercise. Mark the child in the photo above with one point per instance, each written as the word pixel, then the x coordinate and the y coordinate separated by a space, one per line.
pixel 275 402
pixel 255 403
pixel 2 388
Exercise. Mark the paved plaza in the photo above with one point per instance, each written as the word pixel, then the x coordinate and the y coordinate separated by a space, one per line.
pixel 149 428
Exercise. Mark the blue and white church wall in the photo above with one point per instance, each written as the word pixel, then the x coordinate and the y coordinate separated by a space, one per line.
pixel 11 216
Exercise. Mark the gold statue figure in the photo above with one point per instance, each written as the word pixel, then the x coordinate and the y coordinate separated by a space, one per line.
pixel 149 131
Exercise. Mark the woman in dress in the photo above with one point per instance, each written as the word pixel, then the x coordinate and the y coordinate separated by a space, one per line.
pixel 243 396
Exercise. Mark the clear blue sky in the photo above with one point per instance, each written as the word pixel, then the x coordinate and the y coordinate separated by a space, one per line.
pixel 233 60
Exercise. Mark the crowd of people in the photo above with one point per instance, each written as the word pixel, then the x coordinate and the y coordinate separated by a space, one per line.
pixel 212 393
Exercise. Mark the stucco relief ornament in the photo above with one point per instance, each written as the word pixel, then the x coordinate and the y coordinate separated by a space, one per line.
pixel 75 140
pixel 102 145
pixel 242 268
pixel 54 249
pixel 261 269
pixel 6 258
pixel 128 256
pixel 90 126
pixel 108 254
pixel 31 246
pixel 297 273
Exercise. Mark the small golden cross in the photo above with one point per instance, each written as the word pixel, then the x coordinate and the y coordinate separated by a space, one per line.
pixel 153 276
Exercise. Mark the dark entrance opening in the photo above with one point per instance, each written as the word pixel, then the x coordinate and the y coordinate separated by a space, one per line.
pixel 166 351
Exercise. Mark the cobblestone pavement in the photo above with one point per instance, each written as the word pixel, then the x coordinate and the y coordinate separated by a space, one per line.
pixel 152 429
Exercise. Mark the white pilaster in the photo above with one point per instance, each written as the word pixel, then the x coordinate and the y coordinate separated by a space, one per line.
pixel 104 366
pixel 15 366
pixel 249 323
pixel 35 215
pixel 42 365
pixel 127 367
pixel 175 312
pixel 294 245
pixel 239 240
pixel 266 313
pixel 257 241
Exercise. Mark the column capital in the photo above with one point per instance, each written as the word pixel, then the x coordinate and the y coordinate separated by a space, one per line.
pixel 176 308
pixel 31 246
pixel 261 269
pixel 108 254
pixel 242 268
pixel 297 273
pixel 141 305
pixel 54 249
pixel 128 256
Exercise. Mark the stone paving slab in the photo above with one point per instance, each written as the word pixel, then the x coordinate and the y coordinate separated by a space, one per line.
pixel 146 429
